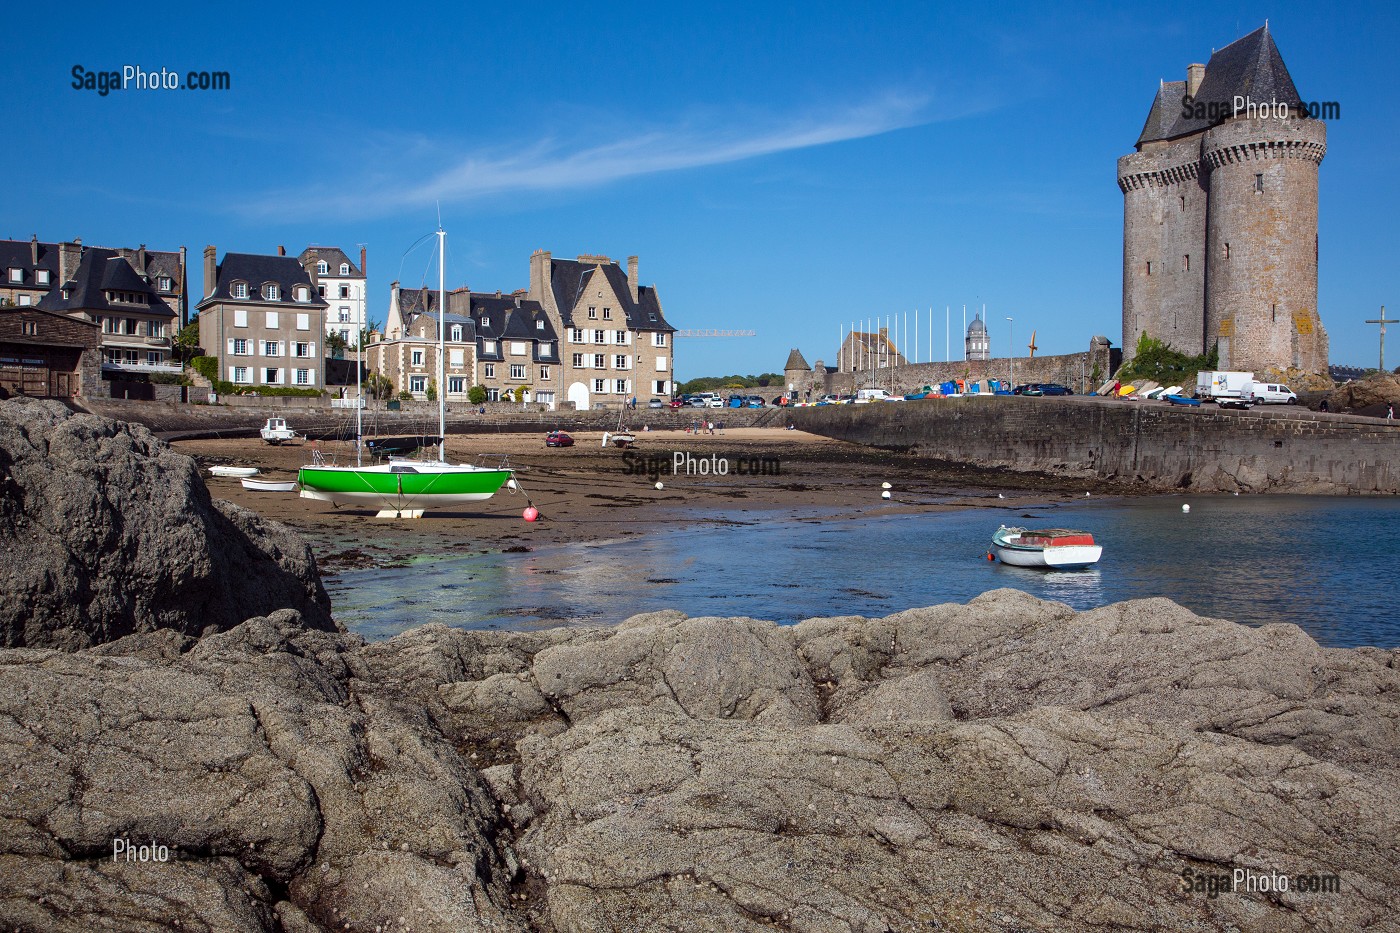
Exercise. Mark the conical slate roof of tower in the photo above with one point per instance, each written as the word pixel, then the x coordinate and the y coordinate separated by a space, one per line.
pixel 796 361
pixel 1250 68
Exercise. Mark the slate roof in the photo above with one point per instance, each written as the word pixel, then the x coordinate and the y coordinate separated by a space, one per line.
pixel 101 271
pixel 257 270
pixel 1248 67
pixel 334 256
pixel 796 360
pixel 568 277
pixel 17 254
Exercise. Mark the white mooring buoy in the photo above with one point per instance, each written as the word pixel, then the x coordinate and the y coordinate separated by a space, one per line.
pixel 1185 507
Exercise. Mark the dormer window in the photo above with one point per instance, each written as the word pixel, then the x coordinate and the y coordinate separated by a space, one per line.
pixel 164 283
pixel 17 276
pixel 322 268
pixel 66 293
pixel 345 268
pixel 41 276
pixel 239 289
pixel 270 291
pixel 485 321
pixel 539 325
pixel 457 332
pixel 303 293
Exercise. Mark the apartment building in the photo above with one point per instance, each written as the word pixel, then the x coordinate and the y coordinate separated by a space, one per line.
pixel 342 285
pixel 262 317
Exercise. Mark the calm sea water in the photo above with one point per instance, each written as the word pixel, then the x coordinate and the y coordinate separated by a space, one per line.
pixel 1323 563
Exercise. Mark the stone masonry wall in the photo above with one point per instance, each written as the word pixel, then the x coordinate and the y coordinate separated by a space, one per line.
pixel 1283 449
pixel 1071 369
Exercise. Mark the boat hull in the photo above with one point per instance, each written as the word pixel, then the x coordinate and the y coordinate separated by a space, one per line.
pixel 264 485
pixel 398 488
pixel 1009 549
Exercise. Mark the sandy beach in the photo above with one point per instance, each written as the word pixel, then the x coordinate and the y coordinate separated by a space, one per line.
pixel 589 493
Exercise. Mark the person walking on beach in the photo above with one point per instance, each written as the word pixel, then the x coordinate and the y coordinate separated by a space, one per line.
pixel 1390 413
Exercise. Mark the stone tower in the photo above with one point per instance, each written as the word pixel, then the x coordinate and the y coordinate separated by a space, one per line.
pixel 1220 215
pixel 797 375
pixel 977 345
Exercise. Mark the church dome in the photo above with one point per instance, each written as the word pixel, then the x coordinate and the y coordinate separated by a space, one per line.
pixel 977 328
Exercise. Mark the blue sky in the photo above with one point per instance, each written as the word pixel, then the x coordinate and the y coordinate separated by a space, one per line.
pixel 785 168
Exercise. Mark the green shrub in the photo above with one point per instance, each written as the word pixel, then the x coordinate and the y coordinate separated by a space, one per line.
pixel 476 395
pixel 170 379
pixel 1156 361
pixel 206 366
pixel 405 396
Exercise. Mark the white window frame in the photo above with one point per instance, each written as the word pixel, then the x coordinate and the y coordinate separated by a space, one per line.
pixel 455 335
pixel 600 361
pixel 416 357
pixel 544 373
pixel 517 370
pixel 457 356
pixel 238 346
pixel 519 348
pixel 322 268
pixel 276 379
pixel 489 346
pixel 305 377
pixel 271 291
pixel 16 276
pixel 418 384
pixel 622 361
pixel 238 290
pixel 240 317
pixel 599 385
pixel 303 321
pixel 622 386
pixel 345 268
pixel 456 385
pixel 658 339
pixel 273 320
pixel 579 361
pixel 546 348
pixel 661 364
pixel 275 345
pixel 238 375
pixel 489 370
pixel 41 276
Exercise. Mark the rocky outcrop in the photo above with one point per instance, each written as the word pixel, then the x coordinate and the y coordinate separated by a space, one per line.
pixel 1004 765
pixel 105 532
pixel 1366 396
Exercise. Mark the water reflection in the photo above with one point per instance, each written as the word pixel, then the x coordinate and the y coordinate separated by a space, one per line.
pixel 1251 559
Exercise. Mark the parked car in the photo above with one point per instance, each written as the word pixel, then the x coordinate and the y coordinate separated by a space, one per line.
pixel 677 403
pixel 829 400
pixel 714 401
pixel 1054 388
pixel 654 403
pixel 695 402
pixel 1271 393
pixel 558 439
pixel 756 401
pixel 781 400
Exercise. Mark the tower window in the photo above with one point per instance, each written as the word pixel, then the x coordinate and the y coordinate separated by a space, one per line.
pixel 1258 183
pixel 1183 202
pixel 1273 314
pixel 1186 263
pixel 1227 250
pixel 1149 267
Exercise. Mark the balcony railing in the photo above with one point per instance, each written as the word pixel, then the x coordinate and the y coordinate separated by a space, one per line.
pixel 119 366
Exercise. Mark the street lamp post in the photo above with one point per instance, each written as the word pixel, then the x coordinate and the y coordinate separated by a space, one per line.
pixel 1011 350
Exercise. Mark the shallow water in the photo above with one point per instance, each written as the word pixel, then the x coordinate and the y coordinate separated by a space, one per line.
pixel 1320 562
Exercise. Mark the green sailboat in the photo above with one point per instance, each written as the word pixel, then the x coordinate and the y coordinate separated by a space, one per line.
pixel 406 488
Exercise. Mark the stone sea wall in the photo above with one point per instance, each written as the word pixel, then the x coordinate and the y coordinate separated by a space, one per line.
pixel 1275 449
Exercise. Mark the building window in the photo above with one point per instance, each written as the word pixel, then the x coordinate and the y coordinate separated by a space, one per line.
pixel 271 291
pixel 652 317
pixel 24 300
pixel 622 386
pixel 607 314
pixel 303 377
pixel 488 346
pixel 240 347
pixel 576 335
pixel 547 348
pixel 493 395
pixel 519 348
pixel 517 370
pixel 345 291
pixel 544 373
pixel 65 294
pixel 620 361
pixel 17 276
pixel 303 294
pixel 302 350
pixel 578 361
pixel 456 334
pixel 661 387
pixel 272 376
pixel 456 385
pixel 600 361
pixel 485 321
pixel 658 339
pixel 303 322
pixel 240 374
pixel 344 315
pixel 272 348
pixel 30 328
pixel 41 276
pixel 592 311
pixel 661 364
pixel 345 268
pixel 321 290
pixel 1273 314
pixel 164 283
pixel 539 325
pixel 1183 202
pixel 621 340
pixel 322 268
pixel 417 357
pixel 457 356
pixel 598 385
pixel 272 320
pixel 489 370
pixel 238 289
pixel 417 384
pixel 1258 183
pixel 598 336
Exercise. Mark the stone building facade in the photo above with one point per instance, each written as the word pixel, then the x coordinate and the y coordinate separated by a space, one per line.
pixel 47 354
pixel 1220 206
pixel 343 285
pixel 263 320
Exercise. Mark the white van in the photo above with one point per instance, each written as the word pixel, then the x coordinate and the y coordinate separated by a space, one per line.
pixel 1270 393
pixel 872 395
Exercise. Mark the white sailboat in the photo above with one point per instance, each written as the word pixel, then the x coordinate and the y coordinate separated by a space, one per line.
pixel 405 489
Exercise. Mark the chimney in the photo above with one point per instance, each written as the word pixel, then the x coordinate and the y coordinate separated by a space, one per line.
pixel 184 292
pixel 540 268
pixel 34 250
pixel 211 270
pixel 1195 74
pixel 69 255
pixel 281 250
pixel 364 267
pixel 632 276
pixel 141 259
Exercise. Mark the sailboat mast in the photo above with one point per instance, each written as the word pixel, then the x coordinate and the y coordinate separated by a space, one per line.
pixel 442 341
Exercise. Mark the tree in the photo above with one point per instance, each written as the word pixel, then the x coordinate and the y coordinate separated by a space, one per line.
pixel 476 395
pixel 378 386
pixel 336 345
pixel 520 393
pixel 1156 361
pixel 186 342
pixel 432 390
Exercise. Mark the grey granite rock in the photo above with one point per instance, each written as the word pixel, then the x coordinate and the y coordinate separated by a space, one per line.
pixel 106 532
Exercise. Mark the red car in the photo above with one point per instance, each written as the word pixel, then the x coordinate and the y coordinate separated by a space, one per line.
pixel 677 403
pixel 558 439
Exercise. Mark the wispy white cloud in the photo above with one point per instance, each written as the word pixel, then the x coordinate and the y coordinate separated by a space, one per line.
pixel 555 164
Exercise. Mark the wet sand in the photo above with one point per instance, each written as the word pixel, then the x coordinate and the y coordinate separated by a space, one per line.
pixel 588 493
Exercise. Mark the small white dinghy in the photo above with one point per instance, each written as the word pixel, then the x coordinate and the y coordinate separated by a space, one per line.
pixel 233 472
pixel 1052 548
pixel 268 485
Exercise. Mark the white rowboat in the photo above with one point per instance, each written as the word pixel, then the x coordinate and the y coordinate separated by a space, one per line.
pixel 233 472
pixel 267 485
pixel 1056 548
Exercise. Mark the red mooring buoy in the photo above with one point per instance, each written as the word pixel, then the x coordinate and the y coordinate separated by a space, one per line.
pixel 989 556
pixel 531 514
